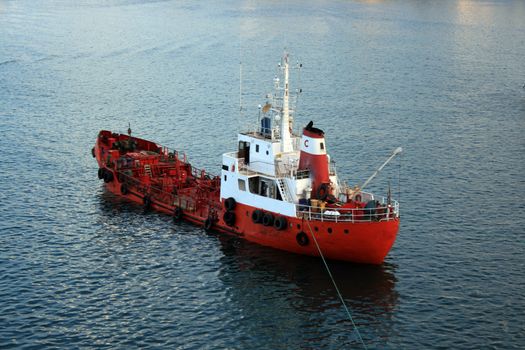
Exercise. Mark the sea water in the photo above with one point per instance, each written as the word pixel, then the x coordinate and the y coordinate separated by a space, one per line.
pixel 80 268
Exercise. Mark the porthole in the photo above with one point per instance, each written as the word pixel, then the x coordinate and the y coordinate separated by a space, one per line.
pixel 329 230
pixel 346 231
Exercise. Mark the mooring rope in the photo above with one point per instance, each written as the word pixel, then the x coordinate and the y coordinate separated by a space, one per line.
pixel 336 288
pixel 399 184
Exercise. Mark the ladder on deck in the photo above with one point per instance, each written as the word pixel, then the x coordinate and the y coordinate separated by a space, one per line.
pixel 283 190
pixel 147 170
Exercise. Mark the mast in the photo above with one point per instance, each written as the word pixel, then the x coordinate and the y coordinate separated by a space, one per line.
pixel 286 144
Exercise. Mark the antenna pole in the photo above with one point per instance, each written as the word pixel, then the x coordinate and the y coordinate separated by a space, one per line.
pixel 286 145
pixel 240 86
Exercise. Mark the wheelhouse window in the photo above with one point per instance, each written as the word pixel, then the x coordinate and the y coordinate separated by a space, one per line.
pixel 263 187
pixel 242 184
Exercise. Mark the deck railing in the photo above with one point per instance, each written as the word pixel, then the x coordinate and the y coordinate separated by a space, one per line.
pixel 382 212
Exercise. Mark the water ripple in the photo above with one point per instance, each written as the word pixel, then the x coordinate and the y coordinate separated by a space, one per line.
pixel 80 268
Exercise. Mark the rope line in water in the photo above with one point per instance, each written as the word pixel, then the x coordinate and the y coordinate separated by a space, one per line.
pixel 399 184
pixel 336 288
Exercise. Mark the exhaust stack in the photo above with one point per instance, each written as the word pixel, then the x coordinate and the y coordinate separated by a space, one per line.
pixel 314 158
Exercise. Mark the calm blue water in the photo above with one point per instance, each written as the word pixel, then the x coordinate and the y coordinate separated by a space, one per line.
pixel 80 268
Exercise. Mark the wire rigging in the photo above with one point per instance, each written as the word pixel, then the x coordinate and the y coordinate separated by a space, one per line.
pixel 399 182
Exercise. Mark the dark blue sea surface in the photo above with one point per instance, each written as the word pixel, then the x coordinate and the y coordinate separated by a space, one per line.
pixel 80 268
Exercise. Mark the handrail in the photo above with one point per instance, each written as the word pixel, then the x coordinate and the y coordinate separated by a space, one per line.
pixel 244 168
pixel 297 173
pixel 383 212
pixel 273 134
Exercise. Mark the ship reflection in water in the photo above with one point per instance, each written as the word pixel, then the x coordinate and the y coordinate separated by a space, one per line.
pixel 299 296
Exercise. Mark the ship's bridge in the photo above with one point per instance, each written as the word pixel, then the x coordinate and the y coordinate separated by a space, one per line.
pixel 263 154
pixel 263 172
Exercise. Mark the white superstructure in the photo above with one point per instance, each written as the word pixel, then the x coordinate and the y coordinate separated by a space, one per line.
pixel 263 172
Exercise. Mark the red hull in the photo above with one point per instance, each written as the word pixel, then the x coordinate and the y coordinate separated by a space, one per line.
pixel 172 186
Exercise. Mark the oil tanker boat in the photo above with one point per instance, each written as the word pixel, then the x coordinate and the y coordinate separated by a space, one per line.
pixel 278 189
